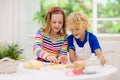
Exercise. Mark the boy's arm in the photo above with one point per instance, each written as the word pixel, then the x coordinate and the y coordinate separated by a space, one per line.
pixel 95 46
pixel 100 56
pixel 72 55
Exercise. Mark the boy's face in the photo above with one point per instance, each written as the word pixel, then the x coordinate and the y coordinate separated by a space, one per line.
pixel 77 31
pixel 56 22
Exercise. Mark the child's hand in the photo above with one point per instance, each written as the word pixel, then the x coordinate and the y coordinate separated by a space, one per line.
pixel 52 59
pixel 81 59
pixel 63 59
pixel 102 60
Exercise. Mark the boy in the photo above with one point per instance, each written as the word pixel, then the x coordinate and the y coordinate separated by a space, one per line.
pixel 82 43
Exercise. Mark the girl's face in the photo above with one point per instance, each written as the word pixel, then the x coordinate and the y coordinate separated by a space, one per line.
pixel 56 22
pixel 78 31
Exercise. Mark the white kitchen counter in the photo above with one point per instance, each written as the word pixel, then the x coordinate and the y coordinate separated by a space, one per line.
pixel 50 74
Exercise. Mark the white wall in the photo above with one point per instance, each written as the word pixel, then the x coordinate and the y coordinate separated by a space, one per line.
pixel 16 22
pixel 6 21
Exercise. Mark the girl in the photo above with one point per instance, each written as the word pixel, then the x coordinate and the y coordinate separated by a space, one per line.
pixel 50 43
pixel 81 42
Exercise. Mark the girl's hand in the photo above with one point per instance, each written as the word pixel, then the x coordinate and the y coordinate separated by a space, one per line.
pixel 102 60
pixel 63 59
pixel 52 59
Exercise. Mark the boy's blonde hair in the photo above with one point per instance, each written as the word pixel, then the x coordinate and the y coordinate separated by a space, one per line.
pixel 54 10
pixel 77 19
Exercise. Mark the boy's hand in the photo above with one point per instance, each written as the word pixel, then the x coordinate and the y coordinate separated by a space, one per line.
pixel 102 60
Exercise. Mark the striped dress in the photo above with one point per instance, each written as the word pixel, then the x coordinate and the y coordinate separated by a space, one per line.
pixel 43 46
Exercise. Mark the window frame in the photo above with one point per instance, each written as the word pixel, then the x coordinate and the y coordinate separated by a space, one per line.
pixel 95 20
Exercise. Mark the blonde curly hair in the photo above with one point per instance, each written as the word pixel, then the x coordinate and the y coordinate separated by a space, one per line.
pixel 77 19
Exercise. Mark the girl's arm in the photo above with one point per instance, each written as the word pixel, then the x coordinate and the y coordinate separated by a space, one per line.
pixel 64 48
pixel 37 50
pixel 63 58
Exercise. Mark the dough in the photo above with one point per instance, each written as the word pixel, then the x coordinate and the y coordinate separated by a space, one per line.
pixel 33 64
pixel 56 66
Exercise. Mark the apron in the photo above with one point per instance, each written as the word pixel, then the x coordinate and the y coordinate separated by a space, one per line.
pixel 82 51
